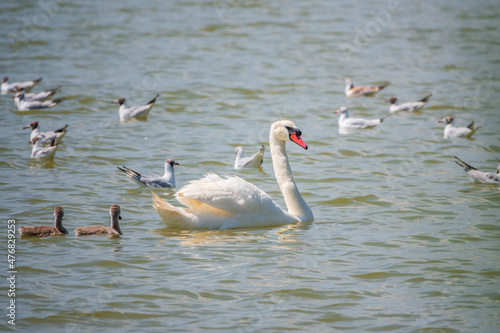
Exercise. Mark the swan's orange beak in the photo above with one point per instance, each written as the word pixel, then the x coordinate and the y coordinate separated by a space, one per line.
pixel 298 140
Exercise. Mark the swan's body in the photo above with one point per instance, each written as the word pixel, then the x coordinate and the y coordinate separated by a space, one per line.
pixel 353 123
pixel 254 161
pixel 450 131
pixel 114 230
pixel 14 86
pixel 408 106
pixel 231 202
pixel 480 176
pixel 45 230
pixel 167 180
pixel 352 91
pixel 39 96
pixel 141 111
pixel 46 136
pixel 24 105
pixel 43 152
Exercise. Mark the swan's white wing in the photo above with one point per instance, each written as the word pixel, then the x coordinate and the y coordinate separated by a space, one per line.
pixel 231 195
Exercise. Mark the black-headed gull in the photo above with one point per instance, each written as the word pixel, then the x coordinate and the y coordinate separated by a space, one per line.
pixel 450 131
pixel 134 111
pixel 46 136
pixel 352 123
pixel 254 161
pixel 12 87
pixel 408 106
pixel 480 176
pixel 167 180
pixel 352 91
pixel 45 230
pixel 114 230
pixel 43 152
pixel 38 96
pixel 25 105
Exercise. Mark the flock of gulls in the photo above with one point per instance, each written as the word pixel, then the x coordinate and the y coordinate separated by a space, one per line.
pixel 214 201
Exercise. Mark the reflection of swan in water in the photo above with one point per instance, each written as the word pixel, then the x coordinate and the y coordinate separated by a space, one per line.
pixel 215 202
pixel 285 235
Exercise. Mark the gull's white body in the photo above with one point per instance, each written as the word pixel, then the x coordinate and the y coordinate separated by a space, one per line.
pixel 408 106
pixel 46 136
pixel 450 131
pixel 165 181
pixel 12 87
pixel 231 202
pixel 140 111
pixel 479 176
pixel 25 105
pixel 354 123
pixel 254 161
pixel 39 95
pixel 43 152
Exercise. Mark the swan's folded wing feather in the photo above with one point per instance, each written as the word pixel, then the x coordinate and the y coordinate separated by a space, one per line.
pixel 231 195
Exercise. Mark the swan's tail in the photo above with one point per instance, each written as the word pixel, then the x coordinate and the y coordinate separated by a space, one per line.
pixel 174 217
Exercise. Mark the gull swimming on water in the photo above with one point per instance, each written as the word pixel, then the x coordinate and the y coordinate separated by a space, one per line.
pixel 43 152
pixel 141 111
pixel 25 105
pixel 45 137
pixel 352 91
pixel 45 230
pixel 450 131
pixel 12 87
pixel 38 96
pixel 114 230
pixel 352 123
pixel 254 161
pixel 408 106
pixel 167 180
pixel 480 176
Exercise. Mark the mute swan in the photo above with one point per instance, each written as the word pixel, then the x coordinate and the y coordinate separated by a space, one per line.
pixel 141 111
pixel 231 202
pixel 167 180
pixel 408 106
pixel 450 131
pixel 254 161
pixel 12 87
pixel 46 136
pixel 45 230
pixel 480 176
pixel 352 91
pixel 114 212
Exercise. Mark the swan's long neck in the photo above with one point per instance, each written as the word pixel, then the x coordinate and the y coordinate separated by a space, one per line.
pixel 293 200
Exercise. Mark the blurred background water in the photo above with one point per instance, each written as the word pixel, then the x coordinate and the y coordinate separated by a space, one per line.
pixel 402 241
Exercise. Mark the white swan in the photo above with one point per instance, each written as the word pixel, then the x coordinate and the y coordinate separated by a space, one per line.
pixel 231 202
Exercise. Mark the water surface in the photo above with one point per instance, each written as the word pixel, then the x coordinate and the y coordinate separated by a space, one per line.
pixel 402 241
